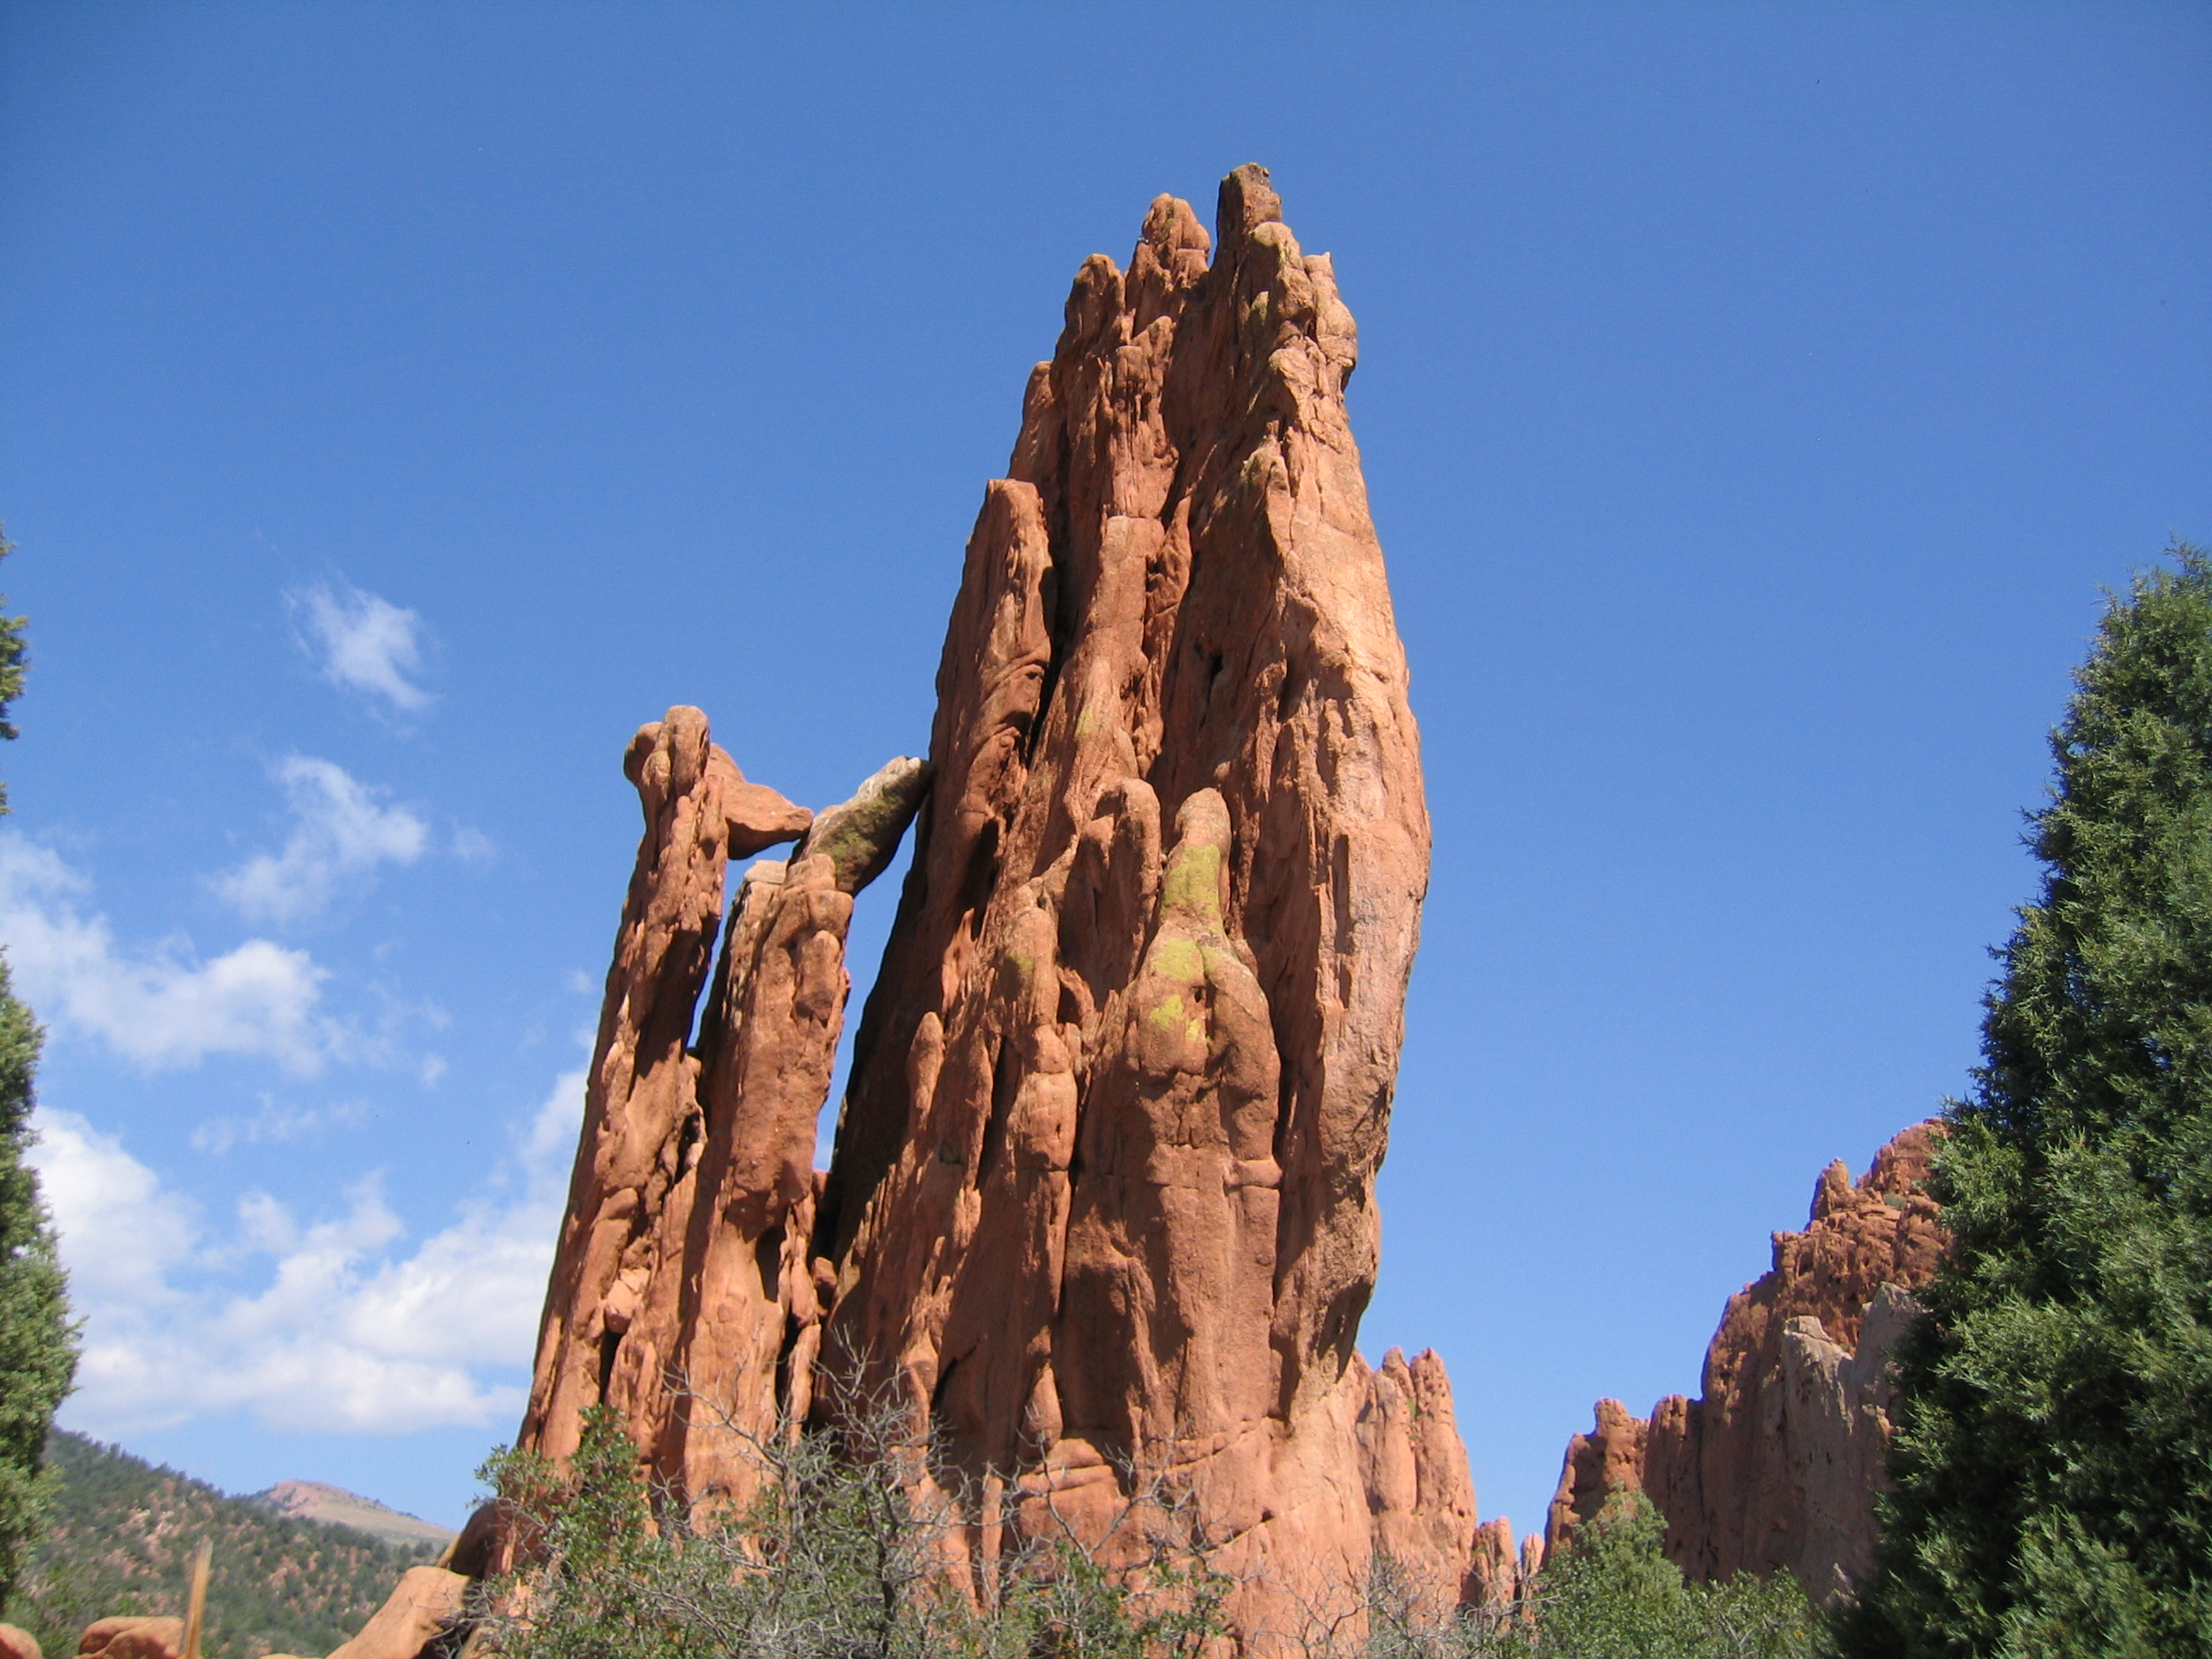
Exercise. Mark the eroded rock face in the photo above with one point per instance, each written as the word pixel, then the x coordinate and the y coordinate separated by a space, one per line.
pixel 1419 1496
pixel 642 1087
pixel 684 1264
pixel 133 1636
pixel 1101 1205
pixel 1103 1179
pixel 1778 1463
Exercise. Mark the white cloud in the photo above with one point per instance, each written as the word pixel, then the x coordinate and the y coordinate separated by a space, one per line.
pixel 365 643
pixel 340 835
pixel 353 1332
pixel 277 1122
pixel 157 1007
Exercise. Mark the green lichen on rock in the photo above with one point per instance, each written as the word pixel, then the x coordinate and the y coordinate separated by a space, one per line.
pixel 861 837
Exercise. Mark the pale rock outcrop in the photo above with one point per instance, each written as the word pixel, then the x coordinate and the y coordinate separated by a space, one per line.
pixel 425 1604
pixel 1779 1461
pixel 1842 1398
pixel 1104 1184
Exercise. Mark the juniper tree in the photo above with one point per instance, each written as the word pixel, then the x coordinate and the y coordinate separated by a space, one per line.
pixel 2053 1455
pixel 38 1343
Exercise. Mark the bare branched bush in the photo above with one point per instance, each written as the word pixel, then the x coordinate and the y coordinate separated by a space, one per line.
pixel 1611 1594
pixel 859 1543
pixel 862 1541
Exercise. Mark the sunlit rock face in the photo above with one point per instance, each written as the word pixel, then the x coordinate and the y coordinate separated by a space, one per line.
pixel 1101 1209
pixel 1103 1185
pixel 1778 1464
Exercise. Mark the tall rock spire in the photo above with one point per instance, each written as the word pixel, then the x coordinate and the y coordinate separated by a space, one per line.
pixel 1102 1204
pixel 1104 1184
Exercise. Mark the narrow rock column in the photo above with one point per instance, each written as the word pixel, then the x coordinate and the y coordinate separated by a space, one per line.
pixel 720 1337
pixel 700 811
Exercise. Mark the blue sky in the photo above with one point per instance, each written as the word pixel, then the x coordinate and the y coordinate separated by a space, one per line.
pixel 399 405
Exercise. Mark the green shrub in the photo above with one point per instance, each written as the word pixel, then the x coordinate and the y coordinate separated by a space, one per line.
pixel 842 1555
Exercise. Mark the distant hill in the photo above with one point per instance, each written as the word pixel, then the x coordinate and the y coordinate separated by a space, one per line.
pixel 122 1541
pixel 311 1500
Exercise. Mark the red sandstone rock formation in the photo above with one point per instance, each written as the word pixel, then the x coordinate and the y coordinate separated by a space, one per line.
pixel 1419 1495
pixel 1102 1207
pixel 1778 1464
pixel 683 1262
pixel 1103 1187
pixel 133 1636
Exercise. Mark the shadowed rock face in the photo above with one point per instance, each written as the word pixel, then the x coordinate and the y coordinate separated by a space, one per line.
pixel 1103 1185
pixel 1778 1463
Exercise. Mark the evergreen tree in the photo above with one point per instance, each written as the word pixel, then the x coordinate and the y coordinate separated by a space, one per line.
pixel 38 1342
pixel 2053 1458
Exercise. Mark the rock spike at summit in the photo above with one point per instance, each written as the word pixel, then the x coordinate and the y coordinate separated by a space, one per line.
pixel 1103 1182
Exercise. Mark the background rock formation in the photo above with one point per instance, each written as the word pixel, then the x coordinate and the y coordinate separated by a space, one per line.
pixel 1778 1463
pixel 1103 1186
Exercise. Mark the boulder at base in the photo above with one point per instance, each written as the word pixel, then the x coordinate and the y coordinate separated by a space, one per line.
pixel 18 1643
pixel 426 1601
pixel 131 1637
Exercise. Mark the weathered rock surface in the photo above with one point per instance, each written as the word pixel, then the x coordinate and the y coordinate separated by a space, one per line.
pixel 17 1643
pixel 700 811
pixel 682 1286
pixel 1421 1498
pixel 425 1604
pixel 128 1636
pixel 1102 1202
pixel 1103 1185
pixel 1778 1464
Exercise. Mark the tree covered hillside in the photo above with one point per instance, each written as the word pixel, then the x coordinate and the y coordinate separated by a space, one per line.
pixel 121 1540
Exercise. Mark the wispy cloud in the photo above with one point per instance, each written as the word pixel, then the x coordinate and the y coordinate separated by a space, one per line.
pixel 278 1123
pixel 351 1332
pixel 363 642
pixel 158 1006
pixel 340 834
